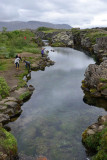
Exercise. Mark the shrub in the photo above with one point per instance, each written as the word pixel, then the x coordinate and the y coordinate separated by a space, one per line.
pixel 4 88
pixel 93 35
pixel 33 50
pixel 15 42
pixel 102 149
pixel 104 86
pixel 97 143
pixel 12 53
pixel 103 80
pixel 44 29
pixel 93 141
pixel 58 44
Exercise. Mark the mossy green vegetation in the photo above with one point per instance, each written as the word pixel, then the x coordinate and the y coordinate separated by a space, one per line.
pixel 103 80
pixel 3 65
pixel 8 143
pixel 33 50
pixel 104 86
pixel 4 88
pixel 17 41
pixel 25 95
pixel 83 84
pixel 46 29
pixel 22 82
pixel 93 90
pixel 93 34
pixel 58 44
pixel 97 143
pixel 92 142
pixel 50 30
pixel 76 31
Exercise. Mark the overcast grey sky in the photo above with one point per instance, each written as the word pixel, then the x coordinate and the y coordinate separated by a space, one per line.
pixel 77 13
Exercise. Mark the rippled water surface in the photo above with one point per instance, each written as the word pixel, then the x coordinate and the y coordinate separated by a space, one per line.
pixel 54 118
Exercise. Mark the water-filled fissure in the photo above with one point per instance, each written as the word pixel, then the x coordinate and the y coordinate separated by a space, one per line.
pixel 54 118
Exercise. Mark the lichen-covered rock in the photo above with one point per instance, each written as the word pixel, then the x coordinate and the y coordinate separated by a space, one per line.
pixel 64 38
pixel 9 107
pixel 8 145
pixel 100 48
pixel 96 79
pixel 85 42
pixel 4 118
pixel 94 128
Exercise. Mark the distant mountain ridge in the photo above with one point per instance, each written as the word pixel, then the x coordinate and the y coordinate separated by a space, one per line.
pixel 19 25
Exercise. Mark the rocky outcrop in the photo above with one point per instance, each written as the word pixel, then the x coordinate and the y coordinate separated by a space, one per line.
pixel 100 48
pixel 86 42
pixel 96 127
pixel 11 106
pixel 56 38
pixel 65 38
pixel 92 40
pixel 96 80
pixel 95 138
pixel 45 61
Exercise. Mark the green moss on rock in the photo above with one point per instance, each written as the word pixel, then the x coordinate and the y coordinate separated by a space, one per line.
pixel 104 86
pixel 96 143
pixel 83 85
pixel 4 88
pixel 93 90
pixel 8 145
pixel 25 95
pixel 93 141
pixel 58 44
pixel 103 80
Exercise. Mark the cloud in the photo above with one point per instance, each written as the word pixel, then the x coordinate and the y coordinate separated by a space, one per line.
pixel 77 13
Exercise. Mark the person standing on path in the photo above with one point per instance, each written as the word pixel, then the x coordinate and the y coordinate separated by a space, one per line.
pixel 19 56
pixel 42 52
pixel 17 62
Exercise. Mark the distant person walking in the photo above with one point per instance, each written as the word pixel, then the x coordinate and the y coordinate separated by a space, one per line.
pixel 17 62
pixel 42 52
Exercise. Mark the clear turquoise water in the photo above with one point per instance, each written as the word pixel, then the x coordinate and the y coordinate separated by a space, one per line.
pixel 54 118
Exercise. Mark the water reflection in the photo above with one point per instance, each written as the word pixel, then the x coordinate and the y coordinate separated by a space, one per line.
pixel 99 102
pixel 69 59
pixel 54 118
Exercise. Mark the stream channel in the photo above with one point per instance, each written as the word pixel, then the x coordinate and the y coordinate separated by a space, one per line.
pixel 54 118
